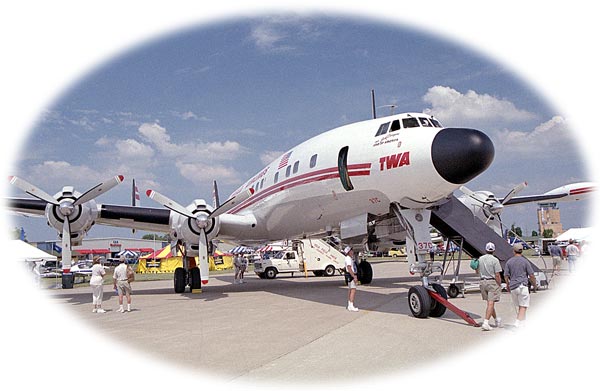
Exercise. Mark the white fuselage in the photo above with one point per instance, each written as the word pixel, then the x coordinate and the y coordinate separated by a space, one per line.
pixel 302 193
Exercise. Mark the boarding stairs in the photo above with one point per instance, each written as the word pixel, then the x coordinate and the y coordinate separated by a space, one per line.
pixel 455 220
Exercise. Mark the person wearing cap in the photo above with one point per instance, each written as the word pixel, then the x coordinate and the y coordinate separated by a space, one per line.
pixel 351 277
pixel 572 254
pixel 516 274
pixel 490 285
pixel 121 284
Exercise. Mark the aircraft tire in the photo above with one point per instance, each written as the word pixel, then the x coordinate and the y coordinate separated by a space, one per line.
pixel 419 301
pixel 365 273
pixel 179 280
pixel 437 309
pixel 195 281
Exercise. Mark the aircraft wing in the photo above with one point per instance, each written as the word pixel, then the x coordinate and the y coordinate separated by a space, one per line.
pixel 571 192
pixel 143 218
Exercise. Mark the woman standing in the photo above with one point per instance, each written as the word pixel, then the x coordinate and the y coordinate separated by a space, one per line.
pixel 96 283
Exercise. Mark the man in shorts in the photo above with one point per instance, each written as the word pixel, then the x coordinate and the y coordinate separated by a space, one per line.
pixel 353 278
pixel 516 274
pixel 556 254
pixel 121 284
pixel 490 285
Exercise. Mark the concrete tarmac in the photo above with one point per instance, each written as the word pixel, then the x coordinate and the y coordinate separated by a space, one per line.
pixel 286 329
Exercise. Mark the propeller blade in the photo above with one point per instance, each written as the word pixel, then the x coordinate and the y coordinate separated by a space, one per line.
pixel 232 202
pixel 66 246
pixel 32 190
pixel 99 189
pixel 203 257
pixel 168 203
pixel 216 202
pixel 514 192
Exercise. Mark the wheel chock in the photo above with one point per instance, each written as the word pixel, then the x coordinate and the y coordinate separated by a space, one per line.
pixel 465 316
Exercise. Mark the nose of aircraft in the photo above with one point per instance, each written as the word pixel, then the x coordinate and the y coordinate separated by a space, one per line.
pixel 460 154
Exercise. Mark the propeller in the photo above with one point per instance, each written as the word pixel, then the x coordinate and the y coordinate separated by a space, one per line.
pixel 495 207
pixel 66 206
pixel 202 220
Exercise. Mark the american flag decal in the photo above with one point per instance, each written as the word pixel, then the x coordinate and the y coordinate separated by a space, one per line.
pixel 284 160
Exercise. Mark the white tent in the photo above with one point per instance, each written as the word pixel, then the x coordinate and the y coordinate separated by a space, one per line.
pixel 577 234
pixel 21 251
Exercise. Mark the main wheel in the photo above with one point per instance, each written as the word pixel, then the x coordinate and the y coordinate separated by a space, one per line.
pixel 419 301
pixel 437 308
pixel 195 281
pixel 180 280
pixel 365 272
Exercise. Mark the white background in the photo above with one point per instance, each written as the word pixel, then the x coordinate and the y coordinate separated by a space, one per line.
pixel 47 46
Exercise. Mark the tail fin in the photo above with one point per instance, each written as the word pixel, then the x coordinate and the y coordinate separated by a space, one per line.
pixel 216 202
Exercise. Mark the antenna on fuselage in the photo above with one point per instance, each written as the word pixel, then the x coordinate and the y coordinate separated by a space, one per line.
pixel 373 104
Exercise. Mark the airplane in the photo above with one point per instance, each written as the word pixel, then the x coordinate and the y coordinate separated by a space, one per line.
pixel 485 205
pixel 367 182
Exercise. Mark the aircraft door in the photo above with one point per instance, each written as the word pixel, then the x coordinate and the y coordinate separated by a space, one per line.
pixel 343 169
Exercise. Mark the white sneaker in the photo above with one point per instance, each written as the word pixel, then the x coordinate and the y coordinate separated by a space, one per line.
pixel 485 327
pixel 100 311
pixel 94 310
pixel 352 309
pixel 121 310
pixel 499 323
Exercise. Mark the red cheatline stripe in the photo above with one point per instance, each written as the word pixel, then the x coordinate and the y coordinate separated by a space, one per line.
pixel 582 190
pixel 315 176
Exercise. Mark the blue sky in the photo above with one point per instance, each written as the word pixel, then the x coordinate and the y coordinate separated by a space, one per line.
pixel 221 100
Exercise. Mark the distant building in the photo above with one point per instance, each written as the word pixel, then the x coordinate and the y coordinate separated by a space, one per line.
pixel 549 218
pixel 105 247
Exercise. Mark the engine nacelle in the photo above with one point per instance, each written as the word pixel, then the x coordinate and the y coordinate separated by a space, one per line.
pixel 81 217
pixel 188 230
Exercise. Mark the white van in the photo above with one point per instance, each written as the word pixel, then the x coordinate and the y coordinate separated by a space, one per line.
pixel 308 255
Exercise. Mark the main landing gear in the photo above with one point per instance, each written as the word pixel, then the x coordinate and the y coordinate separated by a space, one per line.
pixel 187 277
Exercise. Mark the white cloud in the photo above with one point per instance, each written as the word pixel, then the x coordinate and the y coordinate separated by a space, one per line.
pixel 547 138
pixel 158 136
pixel 49 173
pixel 202 173
pixel 454 107
pixel 268 156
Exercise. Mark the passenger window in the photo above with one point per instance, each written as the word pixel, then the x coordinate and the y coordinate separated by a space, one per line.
pixel 382 129
pixel 262 183
pixel 410 123
pixel 296 165
pixel 288 171
pixel 395 125
pixel 313 161
pixel 276 179
pixel 425 122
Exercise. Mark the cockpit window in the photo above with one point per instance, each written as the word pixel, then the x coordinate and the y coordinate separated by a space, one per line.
pixel 435 122
pixel 382 129
pixel 395 125
pixel 425 122
pixel 410 122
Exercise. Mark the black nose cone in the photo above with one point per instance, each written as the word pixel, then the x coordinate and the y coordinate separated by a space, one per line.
pixel 459 154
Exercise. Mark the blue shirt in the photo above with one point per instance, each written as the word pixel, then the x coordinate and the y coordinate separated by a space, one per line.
pixel 517 269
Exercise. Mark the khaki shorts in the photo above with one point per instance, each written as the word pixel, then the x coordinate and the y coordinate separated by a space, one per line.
pixel 490 291
pixel 520 296
pixel 123 287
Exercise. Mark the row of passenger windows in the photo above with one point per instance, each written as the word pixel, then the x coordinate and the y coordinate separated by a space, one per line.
pixel 289 170
pixel 410 122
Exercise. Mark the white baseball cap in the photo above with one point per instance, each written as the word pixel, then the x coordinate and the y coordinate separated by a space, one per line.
pixel 490 247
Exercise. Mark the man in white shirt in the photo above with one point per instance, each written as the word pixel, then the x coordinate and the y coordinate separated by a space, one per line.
pixel 572 254
pixel 121 283
pixel 352 278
